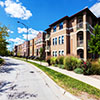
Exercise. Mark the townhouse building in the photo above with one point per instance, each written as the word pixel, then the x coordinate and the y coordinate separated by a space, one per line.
pixel 39 42
pixel 19 50
pixel 35 50
pixel 31 48
pixel 15 50
pixel 25 49
pixel 48 43
pixel 70 35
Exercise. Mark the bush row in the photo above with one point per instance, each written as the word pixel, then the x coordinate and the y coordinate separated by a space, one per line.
pixel 75 64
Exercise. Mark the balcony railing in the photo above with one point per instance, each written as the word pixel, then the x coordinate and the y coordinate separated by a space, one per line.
pixel 80 43
pixel 80 25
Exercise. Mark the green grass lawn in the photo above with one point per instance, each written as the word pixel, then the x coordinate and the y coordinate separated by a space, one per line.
pixel 70 84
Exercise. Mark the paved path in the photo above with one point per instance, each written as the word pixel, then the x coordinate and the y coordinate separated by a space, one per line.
pixel 87 79
pixel 23 81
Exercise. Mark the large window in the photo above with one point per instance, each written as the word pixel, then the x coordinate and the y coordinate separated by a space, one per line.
pixel 54 41
pixel 55 53
pixel 61 39
pixel 54 29
pixel 61 53
pixel 61 25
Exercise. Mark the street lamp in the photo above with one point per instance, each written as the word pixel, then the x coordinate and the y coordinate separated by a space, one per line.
pixel 26 38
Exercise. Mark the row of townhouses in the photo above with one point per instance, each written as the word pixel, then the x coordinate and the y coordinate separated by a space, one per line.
pixel 69 35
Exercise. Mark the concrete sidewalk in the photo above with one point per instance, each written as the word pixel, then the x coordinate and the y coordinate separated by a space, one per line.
pixel 86 79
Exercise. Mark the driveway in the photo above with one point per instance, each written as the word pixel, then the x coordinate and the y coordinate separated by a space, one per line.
pixel 22 81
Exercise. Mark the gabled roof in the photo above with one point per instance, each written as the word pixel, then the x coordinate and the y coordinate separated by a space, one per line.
pixel 78 13
pixel 85 9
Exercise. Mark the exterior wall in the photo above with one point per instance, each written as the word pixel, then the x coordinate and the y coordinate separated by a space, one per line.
pixel 62 32
pixel 39 42
pixel 31 47
pixel 48 44
pixel 35 39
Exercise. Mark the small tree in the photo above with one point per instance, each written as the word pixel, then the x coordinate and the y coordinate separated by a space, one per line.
pixel 3 42
pixel 94 43
pixel 41 54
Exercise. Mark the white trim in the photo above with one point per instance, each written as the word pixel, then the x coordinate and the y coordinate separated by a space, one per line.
pixel 73 28
pixel 80 48
pixel 59 30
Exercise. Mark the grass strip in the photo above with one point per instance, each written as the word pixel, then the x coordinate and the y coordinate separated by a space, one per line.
pixel 70 84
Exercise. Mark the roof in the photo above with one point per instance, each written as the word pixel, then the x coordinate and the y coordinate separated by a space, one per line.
pixel 85 9
pixel 78 13
pixel 60 20
pixel 48 29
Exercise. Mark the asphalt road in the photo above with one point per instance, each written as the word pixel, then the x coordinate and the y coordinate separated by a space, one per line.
pixel 22 81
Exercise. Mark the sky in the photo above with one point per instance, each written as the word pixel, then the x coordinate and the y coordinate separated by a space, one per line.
pixel 38 15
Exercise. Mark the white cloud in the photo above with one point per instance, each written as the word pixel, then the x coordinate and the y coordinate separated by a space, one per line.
pixel 15 9
pixel 22 30
pixel 1 3
pixel 17 0
pixel 16 41
pixel 96 9
pixel 9 31
pixel 31 33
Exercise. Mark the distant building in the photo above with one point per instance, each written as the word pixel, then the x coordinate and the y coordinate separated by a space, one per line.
pixel 15 50
pixel 31 47
pixel 26 48
pixel 39 42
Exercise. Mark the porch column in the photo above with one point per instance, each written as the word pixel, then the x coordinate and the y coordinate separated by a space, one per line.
pixel 84 36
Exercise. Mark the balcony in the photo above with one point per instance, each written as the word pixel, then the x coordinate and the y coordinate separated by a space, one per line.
pixel 80 43
pixel 47 38
pixel 80 25
pixel 47 49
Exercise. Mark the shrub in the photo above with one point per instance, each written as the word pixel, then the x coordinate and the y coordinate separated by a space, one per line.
pixel 60 59
pixel 86 66
pixel 53 60
pixel 95 68
pixel 78 70
pixel 99 61
pixel 48 60
pixel 71 62
pixel 1 60
pixel 61 66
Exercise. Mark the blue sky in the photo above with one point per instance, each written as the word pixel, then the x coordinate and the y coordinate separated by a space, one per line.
pixel 38 14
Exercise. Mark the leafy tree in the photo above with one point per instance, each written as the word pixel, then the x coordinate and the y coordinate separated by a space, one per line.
pixel 41 54
pixel 3 42
pixel 94 43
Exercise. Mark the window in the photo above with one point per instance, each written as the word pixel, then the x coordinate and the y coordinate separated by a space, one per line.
pixel 62 52
pixel 53 41
pixel 55 53
pixel 62 39
pixel 59 39
pixel 61 25
pixel 54 29
pixel 59 53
